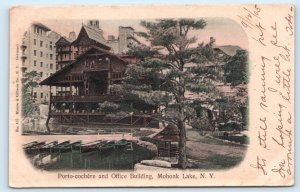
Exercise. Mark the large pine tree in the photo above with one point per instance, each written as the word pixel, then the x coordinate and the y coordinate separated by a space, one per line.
pixel 165 73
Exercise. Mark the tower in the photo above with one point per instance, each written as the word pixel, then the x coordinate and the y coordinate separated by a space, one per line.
pixel 124 34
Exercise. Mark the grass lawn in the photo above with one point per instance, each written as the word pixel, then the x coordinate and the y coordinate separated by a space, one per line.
pixel 217 161
pixel 194 135
pixel 210 153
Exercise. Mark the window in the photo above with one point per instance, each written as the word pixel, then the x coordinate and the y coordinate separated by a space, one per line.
pixel 41 43
pixel 41 54
pixel 51 56
pixel 42 95
pixel 34 95
pixel 36 29
pixel 50 46
pixel 41 64
pixel 34 63
pixel 51 66
pixel 41 74
pixel 34 41
pixel 34 52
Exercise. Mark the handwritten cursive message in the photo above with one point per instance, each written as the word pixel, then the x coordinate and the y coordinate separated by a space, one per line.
pixel 273 38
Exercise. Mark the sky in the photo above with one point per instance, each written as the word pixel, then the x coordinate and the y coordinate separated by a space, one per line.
pixel 225 31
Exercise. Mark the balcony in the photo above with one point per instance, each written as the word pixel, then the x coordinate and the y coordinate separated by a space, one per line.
pixel 86 98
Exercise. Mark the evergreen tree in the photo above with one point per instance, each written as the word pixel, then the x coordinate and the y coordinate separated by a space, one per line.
pixel 163 77
pixel 30 81
pixel 236 69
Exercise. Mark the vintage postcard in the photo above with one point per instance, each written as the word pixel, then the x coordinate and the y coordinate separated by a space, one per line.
pixel 151 96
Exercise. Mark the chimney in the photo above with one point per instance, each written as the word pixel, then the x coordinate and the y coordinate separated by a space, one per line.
pixel 111 38
pixel 93 23
pixel 72 35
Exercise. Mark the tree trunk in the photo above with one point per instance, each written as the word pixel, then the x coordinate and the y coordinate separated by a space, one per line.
pixel 182 161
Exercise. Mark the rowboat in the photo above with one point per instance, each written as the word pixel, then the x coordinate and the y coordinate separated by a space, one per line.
pixel 111 145
pixel 107 147
pixel 58 147
pixel 34 148
pixel 30 144
pixel 122 143
pixel 91 146
pixel 47 147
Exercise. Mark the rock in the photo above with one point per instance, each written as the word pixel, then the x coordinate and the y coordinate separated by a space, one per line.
pixel 157 163
pixel 140 166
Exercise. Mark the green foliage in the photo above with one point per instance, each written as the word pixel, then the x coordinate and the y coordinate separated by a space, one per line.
pixel 142 52
pixel 109 107
pixel 236 69
pixel 29 81
pixel 231 126
pixel 202 124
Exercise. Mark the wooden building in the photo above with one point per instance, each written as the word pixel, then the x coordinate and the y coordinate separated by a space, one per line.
pixel 167 141
pixel 68 50
pixel 87 80
pixel 87 83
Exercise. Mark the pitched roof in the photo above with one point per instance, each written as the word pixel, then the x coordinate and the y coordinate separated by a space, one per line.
pixel 48 80
pixel 228 49
pixel 169 133
pixel 94 33
pixel 63 41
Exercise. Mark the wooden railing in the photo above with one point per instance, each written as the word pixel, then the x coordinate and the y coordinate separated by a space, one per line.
pixel 86 98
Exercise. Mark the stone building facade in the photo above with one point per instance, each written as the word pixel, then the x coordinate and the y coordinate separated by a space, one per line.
pixel 39 54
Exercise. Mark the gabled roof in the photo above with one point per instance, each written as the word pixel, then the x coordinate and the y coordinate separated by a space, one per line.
pixel 51 78
pixel 94 33
pixel 63 41
pixel 169 133
pixel 228 49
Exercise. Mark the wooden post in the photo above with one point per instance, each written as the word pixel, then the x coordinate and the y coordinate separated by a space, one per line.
pixel 49 112
pixel 109 76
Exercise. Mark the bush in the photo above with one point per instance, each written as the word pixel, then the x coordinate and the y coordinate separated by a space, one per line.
pixel 232 126
pixel 109 107
pixel 202 124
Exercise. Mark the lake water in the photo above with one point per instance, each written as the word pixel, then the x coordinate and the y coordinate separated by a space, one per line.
pixel 39 126
pixel 117 159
